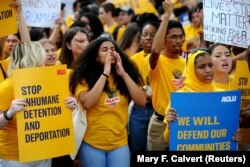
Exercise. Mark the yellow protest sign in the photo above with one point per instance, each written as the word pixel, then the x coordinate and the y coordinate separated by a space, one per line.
pixel 45 129
pixel 8 18
pixel 242 78
pixel 139 6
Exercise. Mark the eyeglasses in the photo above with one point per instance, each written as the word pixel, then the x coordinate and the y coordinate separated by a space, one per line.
pixel 175 37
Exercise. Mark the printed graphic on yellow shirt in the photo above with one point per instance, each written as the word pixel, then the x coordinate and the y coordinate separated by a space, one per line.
pixel 177 74
pixel 112 98
pixel 47 124
pixel 242 78
pixel 8 18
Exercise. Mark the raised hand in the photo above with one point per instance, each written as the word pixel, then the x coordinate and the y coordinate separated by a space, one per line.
pixel 107 64
pixel 16 4
pixel 167 6
pixel 201 16
pixel 119 68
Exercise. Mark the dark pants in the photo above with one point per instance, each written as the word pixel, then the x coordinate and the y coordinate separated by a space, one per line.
pixel 138 127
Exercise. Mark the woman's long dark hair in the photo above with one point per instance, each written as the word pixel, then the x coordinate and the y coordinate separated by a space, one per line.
pixel 88 69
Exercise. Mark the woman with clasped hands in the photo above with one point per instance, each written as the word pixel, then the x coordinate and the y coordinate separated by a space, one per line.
pixel 104 81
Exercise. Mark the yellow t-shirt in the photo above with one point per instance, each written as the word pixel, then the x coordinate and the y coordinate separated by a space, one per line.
pixel 5 64
pixel 2 56
pixel 111 30
pixel 69 20
pixel 161 78
pixel 107 120
pixel 2 73
pixel 58 52
pixel 190 32
pixel 8 135
pixel 128 53
pixel 141 60
pixel 226 86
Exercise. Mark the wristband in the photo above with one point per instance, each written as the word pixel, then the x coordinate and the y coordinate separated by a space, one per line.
pixel 105 75
pixel 6 116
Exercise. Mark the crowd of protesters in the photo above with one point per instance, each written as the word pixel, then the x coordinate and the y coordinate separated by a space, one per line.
pixel 122 66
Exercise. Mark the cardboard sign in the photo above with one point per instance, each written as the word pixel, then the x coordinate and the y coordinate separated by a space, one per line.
pixel 207 121
pixel 41 13
pixel 227 22
pixel 242 78
pixel 47 124
pixel 8 18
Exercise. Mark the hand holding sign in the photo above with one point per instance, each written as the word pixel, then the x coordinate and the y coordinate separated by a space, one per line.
pixel 42 13
pixel 17 105
pixel 171 115
pixel 71 103
pixel 237 135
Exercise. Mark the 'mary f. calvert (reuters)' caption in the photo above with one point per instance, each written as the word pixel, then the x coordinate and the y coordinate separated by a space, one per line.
pixel 153 158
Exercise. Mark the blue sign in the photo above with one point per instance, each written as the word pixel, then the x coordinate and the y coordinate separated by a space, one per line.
pixel 206 122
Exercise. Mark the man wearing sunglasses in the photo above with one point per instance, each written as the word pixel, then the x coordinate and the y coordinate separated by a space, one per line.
pixel 165 66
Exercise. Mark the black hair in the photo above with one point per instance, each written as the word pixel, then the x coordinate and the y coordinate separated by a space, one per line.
pixel 109 7
pixel 200 6
pixel 148 18
pixel 75 4
pixel 63 5
pixel 88 69
pixel 175 24
pixel 79 23
pixel 94 23
pixel 179 11
pixel 191 12
pixel 212 47
pixel 131 32
pixel 36 34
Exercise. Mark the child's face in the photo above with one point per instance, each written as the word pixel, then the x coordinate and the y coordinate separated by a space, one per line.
pixel 204 69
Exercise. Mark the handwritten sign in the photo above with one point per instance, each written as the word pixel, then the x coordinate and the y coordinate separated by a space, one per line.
pixel 8 18
pixel 47 124
pixel 242 77
pixel 41 13
pixel 227 22
pixel 207 121
pixel 139 6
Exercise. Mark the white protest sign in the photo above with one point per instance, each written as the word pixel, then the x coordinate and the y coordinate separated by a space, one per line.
pixel 41 13
pixel 227 22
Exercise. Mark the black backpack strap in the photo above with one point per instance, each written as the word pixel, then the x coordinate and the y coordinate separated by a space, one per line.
pixel 3 72
pixel 115 32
